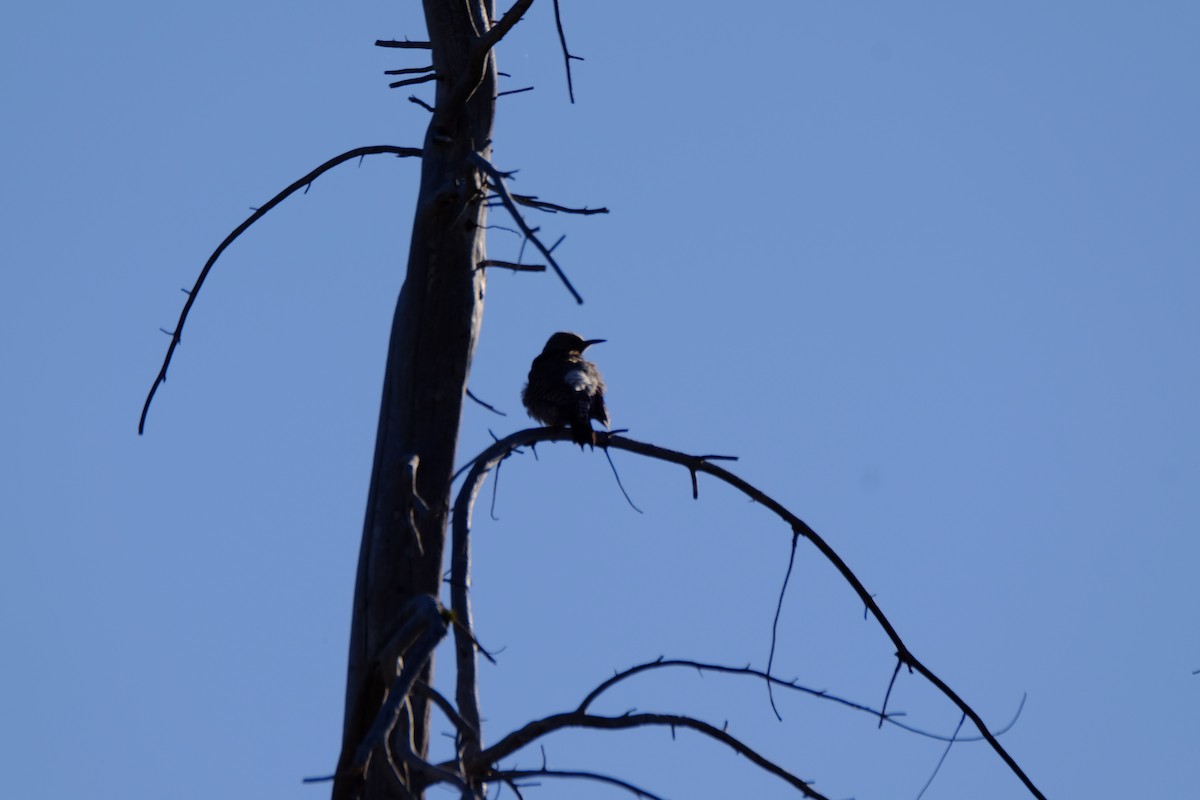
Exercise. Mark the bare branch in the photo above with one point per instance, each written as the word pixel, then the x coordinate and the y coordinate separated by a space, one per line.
pixel 620 485
pixel 530 234
pixel 408 70
pixel 567 57
pixel 405 45
pixel 799 525
pixel 413 81
pixel 888 694
pixel 491 262
pixel 793 685
pixel 444 704
pixel 942 760
pixel 538 728
pixel 504 25
pixel 542 205
pixel 503 448
pixel 509 775
pixel 488 406
pixel 474 71
pixel 514 91
pixel 787 576
pixel 412 98
pixel 425 626
pixel 259 213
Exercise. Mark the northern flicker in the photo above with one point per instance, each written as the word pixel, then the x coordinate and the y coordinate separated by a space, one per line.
pixel 566 389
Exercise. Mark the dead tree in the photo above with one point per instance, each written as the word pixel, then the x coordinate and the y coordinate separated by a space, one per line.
pixel 397 618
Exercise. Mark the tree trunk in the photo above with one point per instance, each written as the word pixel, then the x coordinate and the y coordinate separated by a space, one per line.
pixel 433 337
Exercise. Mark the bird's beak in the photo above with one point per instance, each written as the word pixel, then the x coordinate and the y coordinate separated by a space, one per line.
pixel 589 342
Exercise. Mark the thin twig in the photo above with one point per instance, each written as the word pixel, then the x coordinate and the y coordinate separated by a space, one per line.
pixel 405 45
pixel 793 685
pixel 507 92
pixel 488 406
pixel 412 98
pixel 440 700
pixel 492 262
pixel 552 208
pixel 887 695
pixel 942 760
pixel 515 774
pixel 259 213
pixel 495 492
pixel 787 576
pixel 620 485
pixel 567 57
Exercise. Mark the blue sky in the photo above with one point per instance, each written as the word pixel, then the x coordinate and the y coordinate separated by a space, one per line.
pixel 930 271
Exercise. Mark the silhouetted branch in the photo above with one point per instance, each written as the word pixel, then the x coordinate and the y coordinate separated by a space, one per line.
pixel 530 234
pixel 444 704
pixel 942 760
pixel 412 98
pixel 491 262
pixel 700 666
pixel 413 81
pixel 510 775
pixel 555 722
pixel 888 694
pixel 695 464
pixel 408 70
pixel 425 625
pixel 514 91
pixel 474 71
pixel 620 485
pixel 258 214
pixel 405 45
pixel 799 525
pixel 787 576
pixel 567 57
pixel 488 406
pixel 553 208
pixel 504 25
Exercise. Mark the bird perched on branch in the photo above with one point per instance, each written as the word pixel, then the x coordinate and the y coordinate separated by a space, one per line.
pixel 564 388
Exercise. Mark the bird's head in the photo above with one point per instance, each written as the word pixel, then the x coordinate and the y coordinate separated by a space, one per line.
pixel 566 342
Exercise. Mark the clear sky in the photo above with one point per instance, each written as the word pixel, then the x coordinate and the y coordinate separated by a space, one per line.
pixel 930 269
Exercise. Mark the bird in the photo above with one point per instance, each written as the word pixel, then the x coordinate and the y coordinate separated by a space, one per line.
pixel 564 388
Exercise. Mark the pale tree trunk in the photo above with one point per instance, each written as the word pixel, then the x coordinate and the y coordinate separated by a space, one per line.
pixel 433 337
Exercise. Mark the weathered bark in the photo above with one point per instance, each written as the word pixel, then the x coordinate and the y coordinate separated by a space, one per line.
pixel 433 337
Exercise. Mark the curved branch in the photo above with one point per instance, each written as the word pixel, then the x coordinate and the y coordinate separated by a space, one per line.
pixel 538 728
pixel 509 775
pixel 259 213
pixel 701 666
pixel 801 527
pixel 411 646
pixel 486 460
